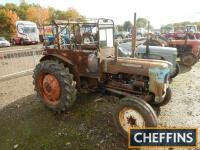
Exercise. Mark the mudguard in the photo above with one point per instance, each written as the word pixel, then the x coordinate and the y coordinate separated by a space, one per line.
pixel 158 82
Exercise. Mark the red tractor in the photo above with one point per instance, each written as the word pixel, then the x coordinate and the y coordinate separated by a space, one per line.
pixel 188 48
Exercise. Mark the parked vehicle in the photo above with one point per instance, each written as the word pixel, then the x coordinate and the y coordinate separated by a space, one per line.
pixel 160 53
pixel 190 31
pixel 47 34
pixel 4 42
pixel 26 33
pixel 152 52
pixel 122 35
pixel 95 66
pixel 188 49
pixel 141 32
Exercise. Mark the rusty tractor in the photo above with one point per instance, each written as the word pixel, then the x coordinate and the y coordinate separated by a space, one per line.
pixel 188 48
pixel 81 59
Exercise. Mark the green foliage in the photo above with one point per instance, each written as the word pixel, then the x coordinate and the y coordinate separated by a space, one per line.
pixel 51 13
pixel 166 28
pixel 72 13
pixel 11 6
pixel 119 28
pixel 127 26
pixel 142 23
pixel 22 9
pixel 7 22
pixel 3 20
pixel 63 15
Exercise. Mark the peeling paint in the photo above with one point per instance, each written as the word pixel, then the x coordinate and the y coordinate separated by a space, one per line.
pixel 157 83
pixel 159 73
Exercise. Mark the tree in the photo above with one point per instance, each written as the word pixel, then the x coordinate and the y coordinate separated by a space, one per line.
pixel 72 13
pixel 142 23
pixel 22 9
pixel 127 26
pixel 51 13
pixel 12 18
pixel 8 19
pixel 38 14
pixel 3 20
pixel 180 26
pixel 166 28
pixel 60 15
pixel 10 13
pixel 11 6
pixel 119 28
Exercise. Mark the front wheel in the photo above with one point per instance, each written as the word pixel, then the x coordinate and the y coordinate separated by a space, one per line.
pixel 133 112
pixel 166 99
pixel 176 71
pixel 54 85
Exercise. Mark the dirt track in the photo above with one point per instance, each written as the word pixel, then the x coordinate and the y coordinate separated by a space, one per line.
pixel 26 124
pixel 20 47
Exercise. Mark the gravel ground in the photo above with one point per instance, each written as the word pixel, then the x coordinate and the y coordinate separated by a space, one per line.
pixel 26 124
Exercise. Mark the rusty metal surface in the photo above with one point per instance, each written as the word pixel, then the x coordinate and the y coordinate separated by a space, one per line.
pixel 77 58
pixel 130 118
pixel 49 88
pixel 92 65
pixel 131 65
pixel 194 44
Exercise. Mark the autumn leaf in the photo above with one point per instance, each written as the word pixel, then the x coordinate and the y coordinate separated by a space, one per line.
pixel 38 15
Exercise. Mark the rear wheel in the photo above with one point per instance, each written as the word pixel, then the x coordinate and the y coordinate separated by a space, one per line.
pixel 54 85
pixel 133 112
pixel 188 59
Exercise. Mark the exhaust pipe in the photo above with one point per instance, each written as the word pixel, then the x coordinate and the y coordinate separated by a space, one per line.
pixel 134 35
pixel 116 50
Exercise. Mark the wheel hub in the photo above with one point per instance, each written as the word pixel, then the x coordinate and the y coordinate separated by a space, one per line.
pixel 129 117
pixel 50 87
pixel 131 120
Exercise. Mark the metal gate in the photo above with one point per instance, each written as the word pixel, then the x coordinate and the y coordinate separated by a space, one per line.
pixel 19 62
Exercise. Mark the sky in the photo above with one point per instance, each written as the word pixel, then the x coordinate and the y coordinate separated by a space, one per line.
pixel 158 12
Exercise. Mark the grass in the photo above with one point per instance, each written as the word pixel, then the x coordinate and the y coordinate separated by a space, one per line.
pixel 31 126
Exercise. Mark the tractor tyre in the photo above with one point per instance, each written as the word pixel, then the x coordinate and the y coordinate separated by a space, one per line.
pixel 188 59
pixel 176 71
pixel 166 99
pixel 133 112
pixel 54 85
